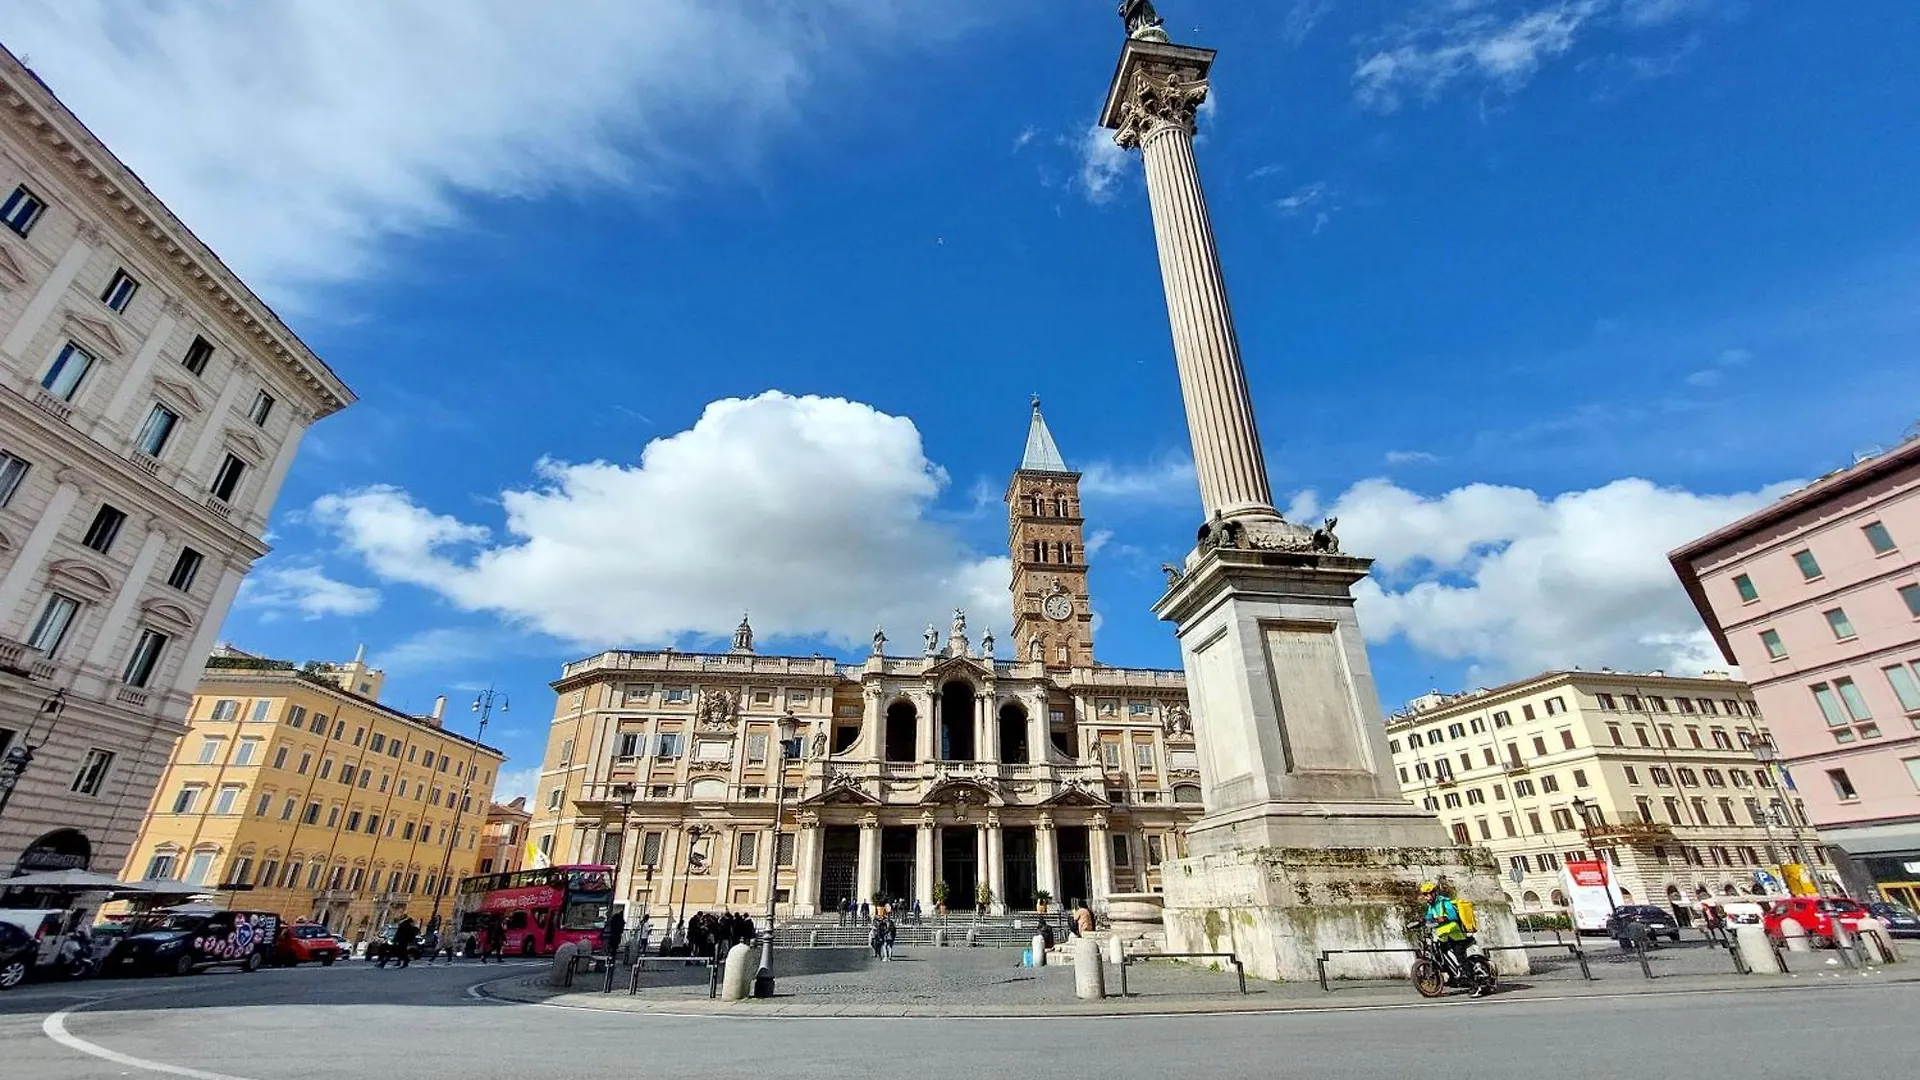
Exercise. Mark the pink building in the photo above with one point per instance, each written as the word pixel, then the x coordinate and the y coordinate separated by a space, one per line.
pixel 1817 598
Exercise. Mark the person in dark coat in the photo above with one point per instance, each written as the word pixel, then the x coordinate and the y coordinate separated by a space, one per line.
pixel 616 929
pixel 404 937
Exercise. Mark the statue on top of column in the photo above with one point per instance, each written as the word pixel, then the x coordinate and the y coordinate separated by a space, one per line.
pixel 933 639
pixel 1142 21
pixel 986 644
pixel 879 641
pixel 957 644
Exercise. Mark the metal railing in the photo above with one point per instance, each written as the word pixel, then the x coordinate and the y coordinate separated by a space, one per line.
pixel 1239 969
pixel 1573 949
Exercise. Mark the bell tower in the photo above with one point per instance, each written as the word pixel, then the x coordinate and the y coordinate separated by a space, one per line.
pixel 1052 616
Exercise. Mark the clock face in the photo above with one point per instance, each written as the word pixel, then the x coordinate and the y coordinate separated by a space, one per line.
pixel 1057 607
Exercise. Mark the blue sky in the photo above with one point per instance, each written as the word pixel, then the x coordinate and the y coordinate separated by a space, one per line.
pixel 1530 291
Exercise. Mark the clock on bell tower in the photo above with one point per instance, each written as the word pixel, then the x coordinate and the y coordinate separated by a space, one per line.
pixel 1052 617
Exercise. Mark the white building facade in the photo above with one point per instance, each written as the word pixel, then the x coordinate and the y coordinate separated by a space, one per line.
pixel 150 406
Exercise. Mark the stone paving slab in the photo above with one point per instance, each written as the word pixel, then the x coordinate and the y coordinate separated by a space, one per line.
pixel 984 983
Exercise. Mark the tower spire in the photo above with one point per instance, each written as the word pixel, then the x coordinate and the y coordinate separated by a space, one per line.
pixel 1042 455
pixel 743 636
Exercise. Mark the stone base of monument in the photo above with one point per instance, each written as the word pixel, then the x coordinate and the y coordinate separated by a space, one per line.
pixel 1134 921
pixel 1279 908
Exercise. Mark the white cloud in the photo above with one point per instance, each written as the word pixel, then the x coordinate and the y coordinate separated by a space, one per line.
pixel 1660 12
pixel 306 590
pixel 1026 137
pixel 1303 17
pixel 1167 479
pixel 445 647
pixel 1098 539
pixel 1460 41
pixel 1515 582
pixel 296 137
pixel 1103 164
pixel 810 512
pixel 1711 376
pixel 516 783
pixel 1410 457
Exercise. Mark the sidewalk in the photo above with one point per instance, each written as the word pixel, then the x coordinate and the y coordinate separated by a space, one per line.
pixel 980 983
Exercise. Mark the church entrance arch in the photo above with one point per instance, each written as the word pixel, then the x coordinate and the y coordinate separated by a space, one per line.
pixel 903 732
pixel 956 721
pixel 1013 734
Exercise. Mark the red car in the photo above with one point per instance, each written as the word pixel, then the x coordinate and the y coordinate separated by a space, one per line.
pixel 1816 914
pixel 301 942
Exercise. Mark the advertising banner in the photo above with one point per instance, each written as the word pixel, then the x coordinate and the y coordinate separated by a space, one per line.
pixel 1591 892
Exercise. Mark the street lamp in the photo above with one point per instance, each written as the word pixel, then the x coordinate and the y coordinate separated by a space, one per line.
pixel 787 727
pixel 1769 759
pixel 694 833
pixel 484 706
pixel 624 793
pixel 14 765
pixel 1581 806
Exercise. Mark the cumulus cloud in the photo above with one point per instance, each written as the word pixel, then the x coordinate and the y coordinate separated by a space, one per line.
pixel 296 137
pixel 1165 479
pixel 1103 165
pixel 1458 41
pixel 811 512
pixel 516 783
pixel 1410 457
pixel 1515 582
pixel 306 591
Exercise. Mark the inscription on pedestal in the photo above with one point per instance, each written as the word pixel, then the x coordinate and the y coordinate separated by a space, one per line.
pixel 1319 718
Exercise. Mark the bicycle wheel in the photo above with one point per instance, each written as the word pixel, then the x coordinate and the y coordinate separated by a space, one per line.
pixel 1426 977
pixel 1480 973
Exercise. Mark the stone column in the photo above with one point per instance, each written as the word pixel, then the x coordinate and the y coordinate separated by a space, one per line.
pixel 923 862
pixel 869 875
pixel 1039 731
pixel 996 870
pixel 201 463
pixel 1152 106
pixel 723 848
pixel 127 396
pixel 107 642
pixel 48 297
pixel 989 741
pixel 1046 858
pixel 1101 851
pixel 873 724
pixel 806 888
pixel 927 726
pixel 269 490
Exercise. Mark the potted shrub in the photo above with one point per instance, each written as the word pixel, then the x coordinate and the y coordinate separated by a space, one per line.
pixel 1041 899
pixel 983 896
pixel 940 892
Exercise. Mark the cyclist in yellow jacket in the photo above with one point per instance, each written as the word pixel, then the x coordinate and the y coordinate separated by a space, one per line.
pixel 1443 915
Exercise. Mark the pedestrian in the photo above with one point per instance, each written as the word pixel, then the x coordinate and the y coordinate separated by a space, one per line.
pixel 1045 929
pixel 496 940
pixel 404 937
pixel 643 934
pixel 616 929
pixel 865 911
pixel 846 910
pixel 916 911
pixel 893 934
pixel 1083 919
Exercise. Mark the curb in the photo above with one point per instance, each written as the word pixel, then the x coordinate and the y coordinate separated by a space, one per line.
pixel 533 991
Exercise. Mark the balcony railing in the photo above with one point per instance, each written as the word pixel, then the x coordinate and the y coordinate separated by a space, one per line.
pixel 128 695
pixel 53 406
pixel 148 465
pixel 220 509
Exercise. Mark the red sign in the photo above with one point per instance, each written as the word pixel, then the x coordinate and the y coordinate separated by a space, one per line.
pixel 1590 875
pixel 510 899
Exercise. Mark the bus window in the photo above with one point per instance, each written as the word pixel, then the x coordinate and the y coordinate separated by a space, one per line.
pixel 517 921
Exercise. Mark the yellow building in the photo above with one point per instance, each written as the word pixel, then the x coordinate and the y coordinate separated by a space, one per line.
pixel 316 801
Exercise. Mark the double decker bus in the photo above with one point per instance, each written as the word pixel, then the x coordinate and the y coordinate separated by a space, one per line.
pixel 537 910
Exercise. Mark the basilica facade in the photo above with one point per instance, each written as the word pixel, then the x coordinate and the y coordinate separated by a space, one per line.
pixel 949 775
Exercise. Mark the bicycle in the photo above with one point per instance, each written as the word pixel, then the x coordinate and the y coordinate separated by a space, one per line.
pixel 1435 968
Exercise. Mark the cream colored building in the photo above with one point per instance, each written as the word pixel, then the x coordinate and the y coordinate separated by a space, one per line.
pixel 945 763
pixel 1676 797
pixel 317 800
pixel 504 843
pixel 150 406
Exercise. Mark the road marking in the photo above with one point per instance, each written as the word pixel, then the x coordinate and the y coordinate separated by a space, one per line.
pixel 55 1027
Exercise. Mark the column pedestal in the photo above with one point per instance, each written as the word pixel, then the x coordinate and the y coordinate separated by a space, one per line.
pixel 869 869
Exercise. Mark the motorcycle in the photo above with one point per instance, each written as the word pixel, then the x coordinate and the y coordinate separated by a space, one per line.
pixel 75 959
pixel 1435 969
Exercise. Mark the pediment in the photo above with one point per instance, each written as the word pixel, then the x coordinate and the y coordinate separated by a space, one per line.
pixel 6 542
pixel 72 575
pixel 1073 793
pixel 98 331
pixel 10 272
pixel 169 615
pixel 181 392
pixel 248 445
pixel 842 790
pixel 964 666
pixel 961 791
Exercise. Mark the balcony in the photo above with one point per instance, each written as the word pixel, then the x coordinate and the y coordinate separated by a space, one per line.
pixel 1629 833
pixel 1516 768
pixel 219 509
pixel 53 406
pixel 128 695
pixel 148 465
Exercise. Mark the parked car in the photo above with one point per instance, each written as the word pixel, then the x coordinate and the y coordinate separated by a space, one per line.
pixel 304 942
pixel 1901 921
pixel 17 950
pixel 1658 921
pixel 190 940
pixel 1816 915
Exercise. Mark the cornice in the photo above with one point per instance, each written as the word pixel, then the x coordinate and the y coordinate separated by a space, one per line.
pixel 117 194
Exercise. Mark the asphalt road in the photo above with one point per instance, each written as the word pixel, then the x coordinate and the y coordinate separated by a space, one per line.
pixel 353 1020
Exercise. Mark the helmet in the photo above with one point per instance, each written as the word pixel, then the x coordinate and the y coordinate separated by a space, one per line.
pixel 1428 887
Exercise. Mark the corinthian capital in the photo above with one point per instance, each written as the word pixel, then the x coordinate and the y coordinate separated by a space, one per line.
pixel 1158 101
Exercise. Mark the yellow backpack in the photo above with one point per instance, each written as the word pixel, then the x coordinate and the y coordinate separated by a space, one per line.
pixel 1467 921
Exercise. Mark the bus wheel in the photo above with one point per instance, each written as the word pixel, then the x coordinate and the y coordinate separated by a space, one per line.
pixel 526 947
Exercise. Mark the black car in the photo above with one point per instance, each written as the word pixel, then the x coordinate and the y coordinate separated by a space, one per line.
pixel 1900 921
pixel 187 942
pixel 383 948
pixel 1659 922
pixel 17 953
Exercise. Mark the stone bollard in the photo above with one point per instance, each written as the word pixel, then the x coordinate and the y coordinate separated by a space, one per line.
pixel 562 973
pixel 736 979
pixel 1756 950
pixel 939 939
pixel 1039 951
pixel 973 938
pixel 1089 978
pixel 1795 936
pixel 1116 950
pixel 813 939
pixel 1879 944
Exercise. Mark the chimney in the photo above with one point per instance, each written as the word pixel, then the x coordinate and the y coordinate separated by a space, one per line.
pixel 439 709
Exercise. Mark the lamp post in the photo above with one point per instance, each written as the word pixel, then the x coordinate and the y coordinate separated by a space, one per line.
pixel 1581 806
pixel 625 793
pixel 786 727
pixel 1769 759
pixel 20 755
pixel 694 833
pixel 484 706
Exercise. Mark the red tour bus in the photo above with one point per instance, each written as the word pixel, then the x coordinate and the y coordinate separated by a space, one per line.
pixel 539 910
